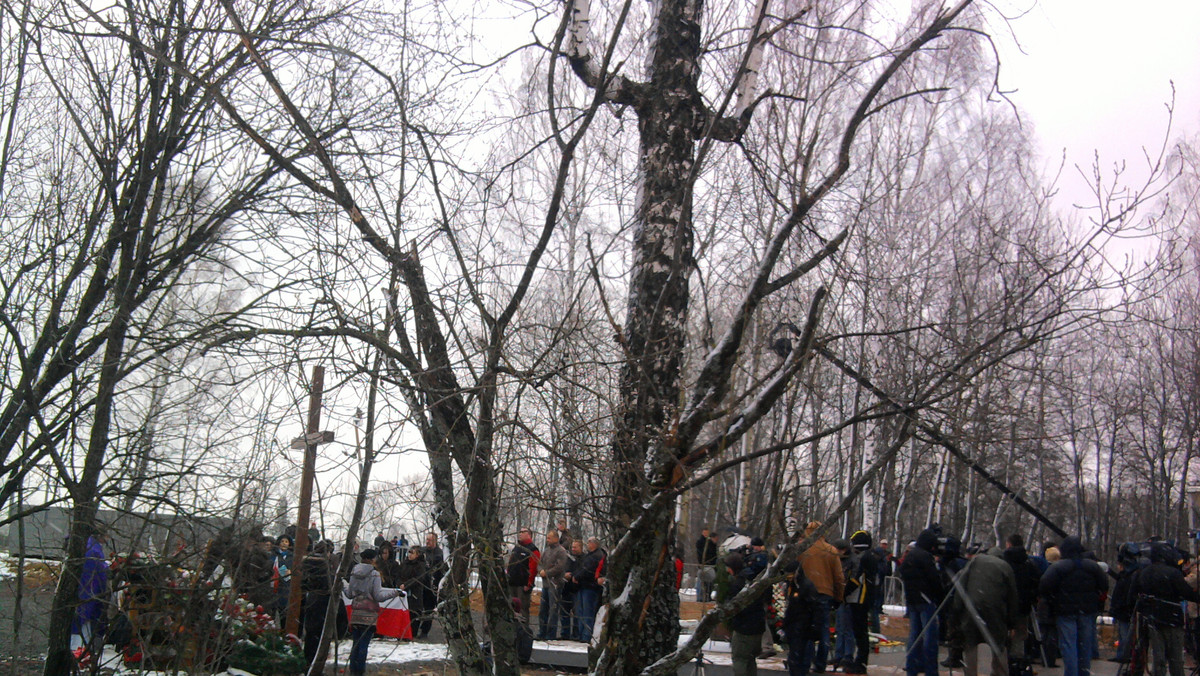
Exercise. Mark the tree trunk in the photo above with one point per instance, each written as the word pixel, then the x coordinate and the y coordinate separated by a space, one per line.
pixel 85 494
pixel 654 338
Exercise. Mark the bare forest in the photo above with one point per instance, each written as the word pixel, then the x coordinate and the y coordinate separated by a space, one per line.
pixel 640 266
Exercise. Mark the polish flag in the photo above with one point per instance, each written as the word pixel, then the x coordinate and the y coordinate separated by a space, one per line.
pixel 394 620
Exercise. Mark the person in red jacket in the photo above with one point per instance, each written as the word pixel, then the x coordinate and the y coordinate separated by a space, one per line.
pixel 522 570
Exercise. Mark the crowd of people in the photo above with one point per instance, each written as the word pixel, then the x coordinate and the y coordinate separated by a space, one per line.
pixel 571 574
pixel 1025 608
pixel 262 567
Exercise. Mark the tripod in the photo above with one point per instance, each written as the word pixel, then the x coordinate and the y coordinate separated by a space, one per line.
pixel 698 665
pixel 1191 644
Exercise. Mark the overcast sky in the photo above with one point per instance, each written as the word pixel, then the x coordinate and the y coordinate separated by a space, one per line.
pixel 1096 75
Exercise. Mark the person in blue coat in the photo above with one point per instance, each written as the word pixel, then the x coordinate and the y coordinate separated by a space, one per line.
pixel 92 594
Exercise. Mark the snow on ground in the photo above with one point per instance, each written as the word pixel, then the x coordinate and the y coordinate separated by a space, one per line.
pixel 391 651
pixel 381 651
pixel 8 564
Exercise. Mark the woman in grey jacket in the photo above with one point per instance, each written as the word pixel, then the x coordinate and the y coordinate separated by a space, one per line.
pixel 365 581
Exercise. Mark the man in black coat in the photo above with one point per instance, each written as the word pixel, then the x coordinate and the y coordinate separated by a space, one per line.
pixel 589 575
pixel 886 568
pixel 316 584
pixel 952 562
pixel 569 629
pixel 862 586
pixel 522 570
pixel 1028 576
pixel 1074 587
pixel 747 626
pixel 801 621
pixel 1121 603
pixel 923 592
pixel 1163 582
pixel 435 563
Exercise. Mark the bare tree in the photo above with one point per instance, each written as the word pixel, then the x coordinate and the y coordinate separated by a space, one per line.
pixel 112 190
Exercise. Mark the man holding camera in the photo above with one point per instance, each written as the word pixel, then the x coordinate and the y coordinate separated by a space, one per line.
pixel 1161 589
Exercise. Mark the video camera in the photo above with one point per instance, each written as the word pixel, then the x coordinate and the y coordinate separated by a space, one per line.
pixel 1134 555
pixel 948 546
pixel 1137 555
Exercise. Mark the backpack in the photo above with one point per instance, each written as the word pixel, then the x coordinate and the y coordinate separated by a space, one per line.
pixel 856 580
pixel 364 610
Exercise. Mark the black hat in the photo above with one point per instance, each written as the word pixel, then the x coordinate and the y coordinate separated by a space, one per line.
pixel 757 542
pixel 368 555
pixel 861 539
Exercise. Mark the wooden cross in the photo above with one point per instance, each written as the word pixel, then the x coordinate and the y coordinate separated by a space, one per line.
pixel 309 442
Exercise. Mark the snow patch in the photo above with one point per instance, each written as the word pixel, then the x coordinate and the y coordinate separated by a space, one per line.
pixel 380 651
pixel 392 651
pixel 8 564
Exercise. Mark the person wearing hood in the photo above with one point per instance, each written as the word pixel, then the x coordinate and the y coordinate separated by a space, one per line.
pixel 1075 588
pixel 823 565
pixel 365 583
pixel 923 592
pixel 886 568
pixel 987 603
pixel 1027 575
pixel 746 627
pixel 1164 581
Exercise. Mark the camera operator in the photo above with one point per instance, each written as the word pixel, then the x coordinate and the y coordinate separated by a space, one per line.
pixel 951 562
pixel 1121 604
pixel 1162 584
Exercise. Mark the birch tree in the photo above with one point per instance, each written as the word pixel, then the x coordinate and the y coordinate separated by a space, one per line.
pixel 663 424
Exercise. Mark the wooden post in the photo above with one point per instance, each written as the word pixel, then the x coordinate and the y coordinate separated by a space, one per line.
pixel 309 442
